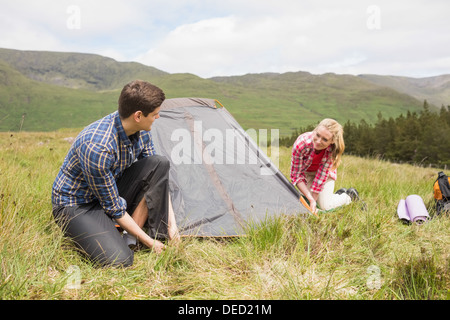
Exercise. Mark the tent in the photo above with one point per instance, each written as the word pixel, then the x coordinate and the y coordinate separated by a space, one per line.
pixel 220 180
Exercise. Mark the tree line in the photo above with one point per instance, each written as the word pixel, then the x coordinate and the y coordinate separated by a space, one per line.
pixel 418 138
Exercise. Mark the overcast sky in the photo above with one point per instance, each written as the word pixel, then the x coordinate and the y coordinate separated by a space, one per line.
pixel 234 37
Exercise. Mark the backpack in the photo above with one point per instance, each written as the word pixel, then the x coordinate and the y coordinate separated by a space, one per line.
pixel 441 189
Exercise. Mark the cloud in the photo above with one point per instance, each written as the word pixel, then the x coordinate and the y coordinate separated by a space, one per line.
pixel 210 38
pixel 72 25
pixel 21 30
pixel 214 45
pixel 235 44
pixel 344 37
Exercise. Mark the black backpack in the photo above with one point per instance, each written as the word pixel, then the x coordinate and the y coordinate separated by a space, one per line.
pixel 441 189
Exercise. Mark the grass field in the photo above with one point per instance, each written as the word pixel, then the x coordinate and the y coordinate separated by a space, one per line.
pixel 344 254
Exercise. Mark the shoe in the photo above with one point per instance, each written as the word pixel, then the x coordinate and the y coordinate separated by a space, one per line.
pixel 136 247
pixel 354 195
pixel 341 191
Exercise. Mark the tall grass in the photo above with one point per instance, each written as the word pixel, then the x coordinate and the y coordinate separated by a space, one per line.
pixel 302 257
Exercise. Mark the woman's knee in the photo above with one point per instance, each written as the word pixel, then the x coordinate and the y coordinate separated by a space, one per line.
pixel 334 201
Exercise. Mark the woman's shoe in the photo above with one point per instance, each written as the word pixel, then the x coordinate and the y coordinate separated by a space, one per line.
pixel 354 195
pixel 341 191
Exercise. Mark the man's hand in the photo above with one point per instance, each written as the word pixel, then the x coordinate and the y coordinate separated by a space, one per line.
pixel 174 235
pixel 158 246
pixel 129 225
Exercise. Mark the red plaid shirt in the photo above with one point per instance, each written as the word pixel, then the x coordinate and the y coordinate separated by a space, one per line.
pixel 302 157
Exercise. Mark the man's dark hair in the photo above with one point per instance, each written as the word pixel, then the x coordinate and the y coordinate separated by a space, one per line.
pixel 139 95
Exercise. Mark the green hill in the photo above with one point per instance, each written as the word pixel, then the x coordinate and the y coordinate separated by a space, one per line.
pixel 294 99
pixel 77 70
pixel 436 90
pixel 32 106
pixel 69 90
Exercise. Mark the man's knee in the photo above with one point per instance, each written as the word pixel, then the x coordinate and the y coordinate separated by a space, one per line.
pixel 163 162
pixel 157 164
pixel 114 254
pixel 123 259
pixel 156 161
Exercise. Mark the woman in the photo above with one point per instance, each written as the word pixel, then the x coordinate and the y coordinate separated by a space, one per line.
pixel 316 156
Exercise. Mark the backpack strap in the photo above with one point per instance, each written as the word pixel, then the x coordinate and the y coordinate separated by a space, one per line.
pixel 444 185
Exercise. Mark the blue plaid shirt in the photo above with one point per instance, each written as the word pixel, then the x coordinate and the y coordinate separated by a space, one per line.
pixel 97 158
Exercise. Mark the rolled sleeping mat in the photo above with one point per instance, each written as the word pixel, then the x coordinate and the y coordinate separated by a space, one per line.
pixel 412 209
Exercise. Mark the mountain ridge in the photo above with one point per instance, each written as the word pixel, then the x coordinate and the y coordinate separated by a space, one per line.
pixel 86 86
pixel 436 89
pixel 76 70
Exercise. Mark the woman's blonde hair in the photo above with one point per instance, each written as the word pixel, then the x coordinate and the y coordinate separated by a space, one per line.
pixel 338 139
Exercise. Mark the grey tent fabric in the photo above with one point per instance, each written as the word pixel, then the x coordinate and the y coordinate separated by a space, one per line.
pixel 220 181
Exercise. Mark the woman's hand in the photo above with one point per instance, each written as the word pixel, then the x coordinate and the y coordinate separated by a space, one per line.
pixel 313 202
pixel 313 206
pixel 311 196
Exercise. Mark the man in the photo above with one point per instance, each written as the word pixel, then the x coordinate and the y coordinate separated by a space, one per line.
pixel 112 175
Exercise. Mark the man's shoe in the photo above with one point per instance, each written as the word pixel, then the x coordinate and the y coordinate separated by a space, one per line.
pixel 136 247
pixel 341 191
